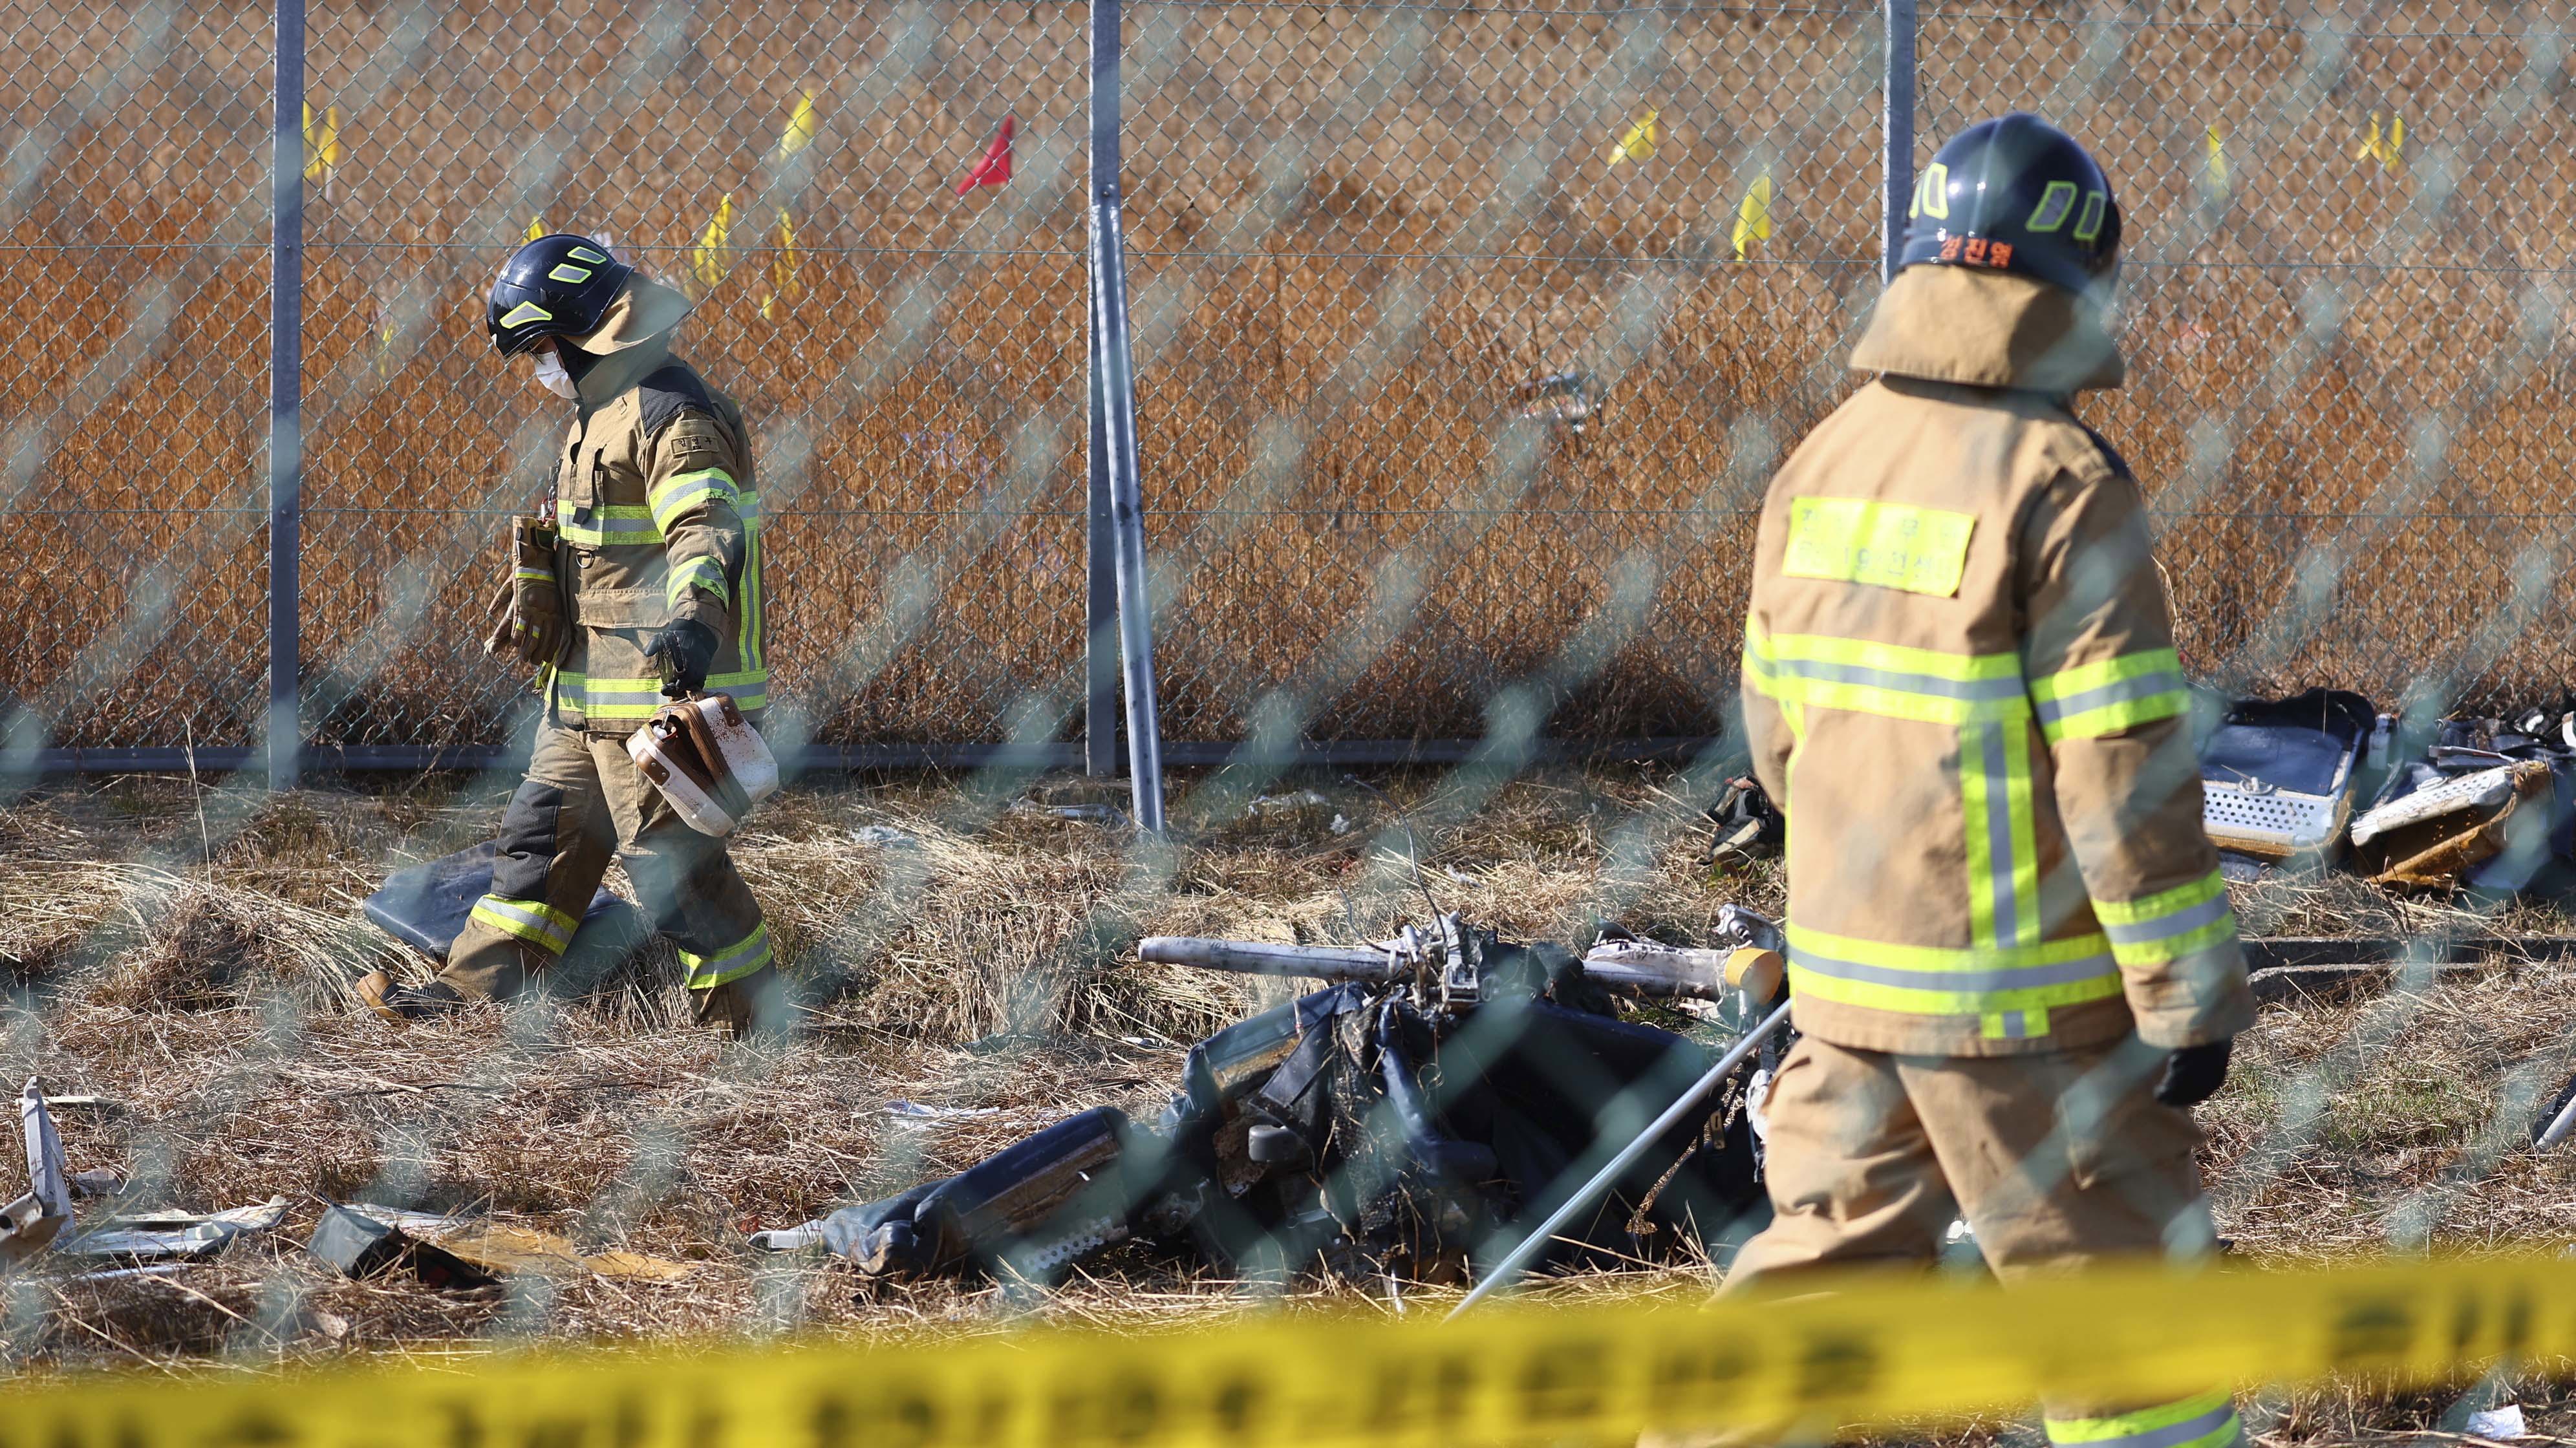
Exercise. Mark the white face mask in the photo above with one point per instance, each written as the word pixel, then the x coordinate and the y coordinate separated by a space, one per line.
pixel 552 377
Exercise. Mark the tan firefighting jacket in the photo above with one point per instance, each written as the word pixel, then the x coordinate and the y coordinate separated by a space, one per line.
pixel 660 521
pixel 1960 686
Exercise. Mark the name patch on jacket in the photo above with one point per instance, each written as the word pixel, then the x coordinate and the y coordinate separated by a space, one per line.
pixel 1891 545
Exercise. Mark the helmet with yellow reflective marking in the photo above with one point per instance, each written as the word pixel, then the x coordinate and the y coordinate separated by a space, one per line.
pixel 2016 194
pixel 555 286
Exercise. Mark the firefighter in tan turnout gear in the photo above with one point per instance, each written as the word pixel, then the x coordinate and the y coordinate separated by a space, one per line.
pixel 2012 956
pixel 643 585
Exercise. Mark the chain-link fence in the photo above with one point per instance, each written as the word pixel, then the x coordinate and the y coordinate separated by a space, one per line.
pixel 1467 337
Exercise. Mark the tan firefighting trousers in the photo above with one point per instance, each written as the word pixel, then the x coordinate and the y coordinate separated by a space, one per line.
pixel 583 798
pixel 2053 1159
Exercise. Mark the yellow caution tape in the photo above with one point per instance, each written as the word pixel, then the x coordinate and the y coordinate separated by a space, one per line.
pixel 1876 1349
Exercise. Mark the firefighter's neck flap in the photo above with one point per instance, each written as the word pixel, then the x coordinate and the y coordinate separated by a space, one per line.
pixel 1988 329
pixel 632 340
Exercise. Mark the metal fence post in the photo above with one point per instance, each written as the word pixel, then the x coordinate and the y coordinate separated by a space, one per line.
pixel 285 403
pixel 1898 129
pixel 1100 604
pixel 1115 390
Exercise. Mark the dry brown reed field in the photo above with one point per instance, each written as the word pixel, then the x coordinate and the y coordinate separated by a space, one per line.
pixel 1357 231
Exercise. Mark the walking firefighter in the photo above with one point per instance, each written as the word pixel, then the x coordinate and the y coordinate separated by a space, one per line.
pixel 2012 956
pixel 638 584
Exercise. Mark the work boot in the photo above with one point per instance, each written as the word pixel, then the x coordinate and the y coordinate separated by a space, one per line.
pixel 402 1004
pixel 739 1010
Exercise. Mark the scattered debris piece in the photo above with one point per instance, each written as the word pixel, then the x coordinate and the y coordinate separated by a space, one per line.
pixel 504 1250
pixel 1748 827
pixel 363 1247
pixel 426 905
pixel 879 836
pixel 1569 399
pixel 1089 814
pixel 1329 1089
pixel 25 1229
pixel 147 1237
pixel 2432 837
pixel 1341 824
pixel 97 1182
pixel 2277 778
pixel 48 1179
pixel 2497 1423
pixel 902 1110
pixel 1286 806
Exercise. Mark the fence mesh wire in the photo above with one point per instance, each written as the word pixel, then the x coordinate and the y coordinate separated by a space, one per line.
pixel 1464 334
pixel 1468 337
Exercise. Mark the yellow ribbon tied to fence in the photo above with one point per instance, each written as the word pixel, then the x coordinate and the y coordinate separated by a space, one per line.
pixel 2389 150
pixel 1753 217
pixel 322 150
pixel 2215 171
pixel 801 126
pixel 1641 139
pixel 707 258
pixel 782 269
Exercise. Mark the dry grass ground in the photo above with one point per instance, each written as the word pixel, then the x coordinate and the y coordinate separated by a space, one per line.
pixel 185 954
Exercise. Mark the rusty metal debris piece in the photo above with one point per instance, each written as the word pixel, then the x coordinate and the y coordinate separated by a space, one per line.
pixel 2432 838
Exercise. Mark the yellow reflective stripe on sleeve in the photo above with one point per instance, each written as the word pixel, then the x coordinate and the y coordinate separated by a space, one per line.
pixel 2207 1420
pixel 1887 545
pixel 704 573
pixel 611 526
pixel 679 494
pixel 705 972
pixel 535 575
pixel 752 644
pixel 2105 697
pixel 2170 924
pixel 1934 981
pixel 533 921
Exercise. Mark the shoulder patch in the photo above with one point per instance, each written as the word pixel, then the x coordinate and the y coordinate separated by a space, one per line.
pixel 668 392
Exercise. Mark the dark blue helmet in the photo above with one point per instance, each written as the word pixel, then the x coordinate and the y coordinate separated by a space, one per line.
pixel 555 286
pixel 2016 194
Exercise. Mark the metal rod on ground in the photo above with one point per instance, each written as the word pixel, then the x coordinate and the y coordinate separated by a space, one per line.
pixel 1118 416
pixel 2559 1126
pixel 1100 551
pixel 1536 1242
pixel 285 402
pixel 1898 199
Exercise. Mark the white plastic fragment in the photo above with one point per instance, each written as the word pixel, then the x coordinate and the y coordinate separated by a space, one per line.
pixel 902 1110
pixel 882 836
pixel 2498 1423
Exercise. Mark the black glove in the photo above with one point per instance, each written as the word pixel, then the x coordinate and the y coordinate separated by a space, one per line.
pixel 2194 1073
pixel 684 650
